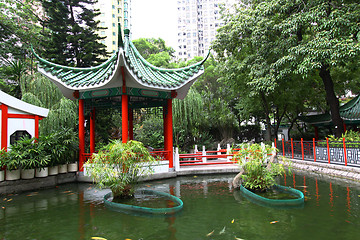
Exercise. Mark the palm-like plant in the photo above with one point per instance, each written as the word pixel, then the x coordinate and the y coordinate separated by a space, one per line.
pixel 28 154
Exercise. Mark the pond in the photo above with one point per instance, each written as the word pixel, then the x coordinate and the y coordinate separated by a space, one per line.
pixel 212 210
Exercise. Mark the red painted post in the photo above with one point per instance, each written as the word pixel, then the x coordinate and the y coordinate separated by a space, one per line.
pixel 92 131
pixel 81 134
pixel 283 145
pixel 37 127
pixel 314 149
pixel 275 142
pixel 302 148
pixel 169 132
pixel 292 149
pixel 124 118
pixel 4 127
pixel 328 149
pixel 164 124
pixel 345 155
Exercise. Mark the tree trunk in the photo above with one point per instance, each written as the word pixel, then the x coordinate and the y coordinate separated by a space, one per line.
pixel 332 100
pixel 267 112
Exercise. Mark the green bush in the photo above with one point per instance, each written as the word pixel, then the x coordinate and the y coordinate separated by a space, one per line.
pixel 151 132
pixel 253 160
pixel 60 146
pixel 50 150
pixel 352 140
pixel 118 166
pixel 30 154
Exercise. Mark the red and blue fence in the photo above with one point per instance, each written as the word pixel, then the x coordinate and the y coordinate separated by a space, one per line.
pixel 331 152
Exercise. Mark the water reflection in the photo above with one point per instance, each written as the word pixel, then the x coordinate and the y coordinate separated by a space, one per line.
pixel 76 211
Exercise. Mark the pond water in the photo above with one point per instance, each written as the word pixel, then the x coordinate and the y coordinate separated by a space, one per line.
pixel 212 210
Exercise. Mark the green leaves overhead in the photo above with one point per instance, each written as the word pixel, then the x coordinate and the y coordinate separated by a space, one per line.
pixel 71 30
pixel 267 44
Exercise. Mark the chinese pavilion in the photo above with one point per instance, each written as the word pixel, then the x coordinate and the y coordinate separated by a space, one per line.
pixel 125 81
pixel 349 112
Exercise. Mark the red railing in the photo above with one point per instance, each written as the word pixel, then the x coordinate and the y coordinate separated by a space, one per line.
pixel 206 158
pixel 161 155
pixel 333 152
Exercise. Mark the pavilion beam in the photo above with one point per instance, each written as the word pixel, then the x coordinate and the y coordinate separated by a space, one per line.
pixel 81 134
pixel 168 132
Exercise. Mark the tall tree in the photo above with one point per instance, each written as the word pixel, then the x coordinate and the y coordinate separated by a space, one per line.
pixel 156 52
pixel 275 41
pixel 19 29
pixel 73 33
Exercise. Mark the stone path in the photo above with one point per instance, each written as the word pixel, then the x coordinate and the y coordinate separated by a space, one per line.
pixel 340 171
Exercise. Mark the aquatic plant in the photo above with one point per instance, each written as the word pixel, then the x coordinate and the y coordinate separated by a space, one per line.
pixel 118 166
pixel 258 168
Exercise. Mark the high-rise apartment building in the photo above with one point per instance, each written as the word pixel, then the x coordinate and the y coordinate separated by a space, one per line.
pixel 113 12
pixel 198 21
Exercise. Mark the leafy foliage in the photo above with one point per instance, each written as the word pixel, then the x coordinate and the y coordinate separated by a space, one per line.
pixel 49 150
pixel 60 146
pixel 119 165
pixel 254 160
pixel 28 153
pixel 269 46
pixel 150 132
pixel 72 33
pixel 40 91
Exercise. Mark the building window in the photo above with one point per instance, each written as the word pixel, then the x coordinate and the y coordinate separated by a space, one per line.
pixel 114 34
pixel 102 24
pixel 113 24
pixel 18 135
pixel 102 32
pixel 113 6
pixel 114 43
pixel 113 15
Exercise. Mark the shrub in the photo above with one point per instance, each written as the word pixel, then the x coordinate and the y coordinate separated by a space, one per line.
pixel 259 174
pixel 118 166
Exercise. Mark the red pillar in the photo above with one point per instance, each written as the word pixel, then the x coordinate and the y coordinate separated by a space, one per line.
pixel 168 132
pixel 4 127
pixel 81 134
pixel 92 131
pixel 125 118
pixel 37 126
pixel 131 124
pixel 164 123
pixel 124 109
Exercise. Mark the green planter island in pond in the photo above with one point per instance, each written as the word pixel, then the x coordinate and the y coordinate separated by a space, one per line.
pixel 292 197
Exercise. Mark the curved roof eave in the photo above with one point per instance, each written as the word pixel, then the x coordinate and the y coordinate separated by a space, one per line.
pixel 139 72
pixel 181 90
pixel 22 106
pixel 68 91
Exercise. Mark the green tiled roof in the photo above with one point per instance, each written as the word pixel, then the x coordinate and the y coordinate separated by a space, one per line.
pixel 159 77
pixel 349 112
pixel 79 77
pixel 145 74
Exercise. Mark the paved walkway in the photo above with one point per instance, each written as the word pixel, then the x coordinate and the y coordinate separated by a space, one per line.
pixel 340 171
